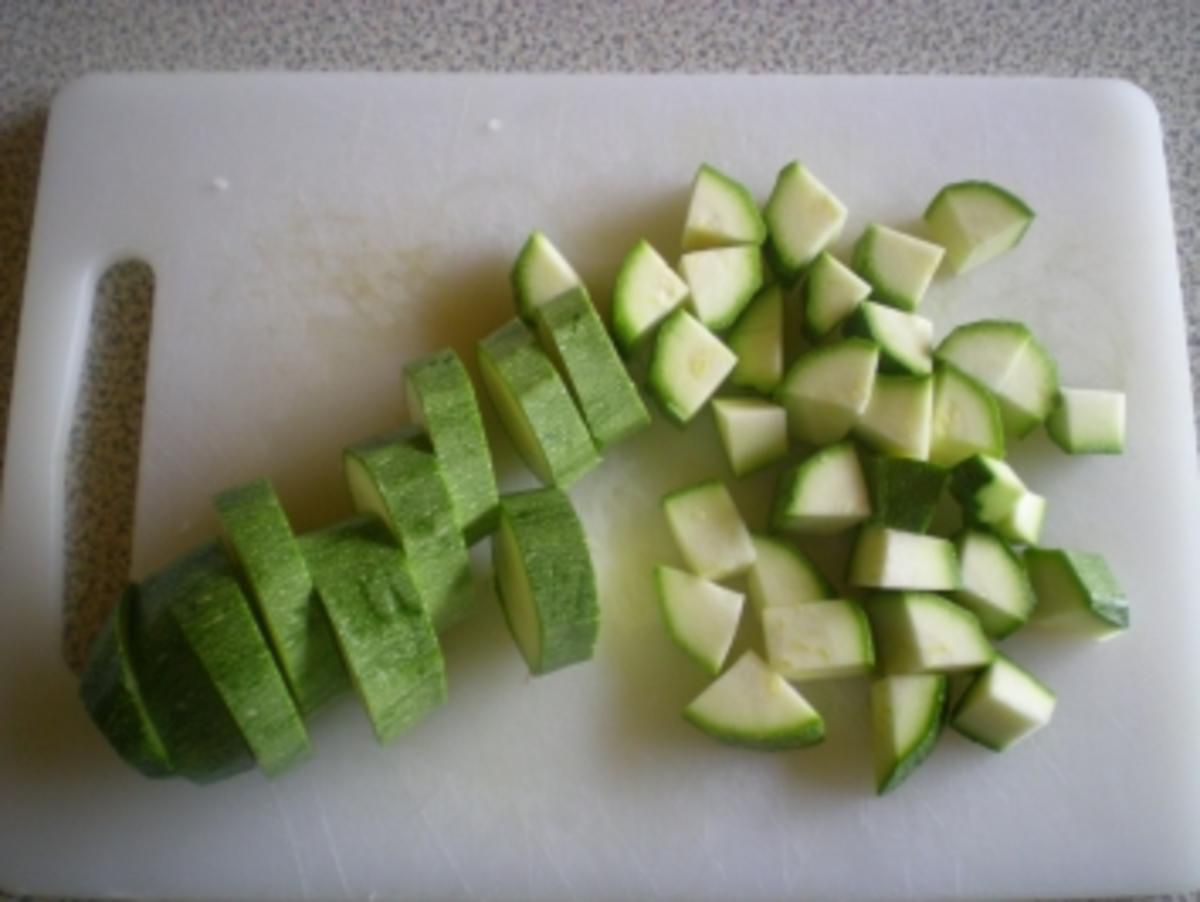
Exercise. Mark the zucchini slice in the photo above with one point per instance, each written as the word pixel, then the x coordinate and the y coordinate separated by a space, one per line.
pixel 402 484
pixel 687 366
pixel 898 416
pixel 1004 704
pixel 803 218
pixel 113 698
pixel 701 616
pixel 885 558
pixel 539 274
pixel 987 488
pixel 995 585
pixel 1077 592
pixel 646 290
pixel 832 291
pixel 259 538
pixel 916 632
pixel 898 266
pixel 825 493
pixel 753 706
pixel 1088 421
pixel 827 389
pixel 211 682
pixel 757 340
pixel 905 340
pixel 385 635
pixel 818 640
pixel 966 419
pixel 442 401
pixel 906 720
pixel 904 493
pixel 607 397
pixel 709 530
pixel 535 406
pixel 544 579
pixel 782 574
pixel 976 221
pixel 721 212
pixel 753 432
pixel 1010 362
pixel 721 282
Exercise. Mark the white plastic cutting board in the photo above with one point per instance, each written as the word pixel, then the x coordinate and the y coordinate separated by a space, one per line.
pixel 310 233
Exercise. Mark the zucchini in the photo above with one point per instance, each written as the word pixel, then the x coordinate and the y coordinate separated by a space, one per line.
pixel 898 416
pixel 110 691
pixel 1088 421
pixel 610 403
pixel 826 390
pixel 386 638
pixel 905 340
pixel 966 419
pixel 916 632
pixel 818 640
pixel 1004 704
pixel 976 221
pixel 687 366
pixel 212 686
pixel 709 530
pixel 720 212
pixel 906 720
pixel 260 540
pixel 1006 359
pixel 987 488
pixel 721 282
pixel 832 291
pixel 757 340
pixel 995 586
pixel 885 558
pixel 898 266
pixel 701 616
pixel 1022 525
pixel 401 484
pixel 544 579
pixel 823 494
pixel 1077 593
pixel 535 406
pixel 753 432
pixel 803 218
pixel 782 575
pixel 752 706
pixel 646 290
pixel 539 274
pixel 904 493
pixel 442 401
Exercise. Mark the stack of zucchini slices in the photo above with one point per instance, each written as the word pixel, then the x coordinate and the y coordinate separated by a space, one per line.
pixel 214 663
pixel 886 424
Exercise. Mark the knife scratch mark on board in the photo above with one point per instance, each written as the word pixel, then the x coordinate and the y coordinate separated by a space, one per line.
pixel 286 820
pixel 331 845
pixel 713 848
pixel 629 852
pixel 446 853
pixel 551 858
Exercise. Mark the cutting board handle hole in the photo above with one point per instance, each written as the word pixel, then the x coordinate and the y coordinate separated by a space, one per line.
pixel 103 452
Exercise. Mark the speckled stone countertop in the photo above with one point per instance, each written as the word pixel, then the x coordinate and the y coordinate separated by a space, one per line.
pixel 45 43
